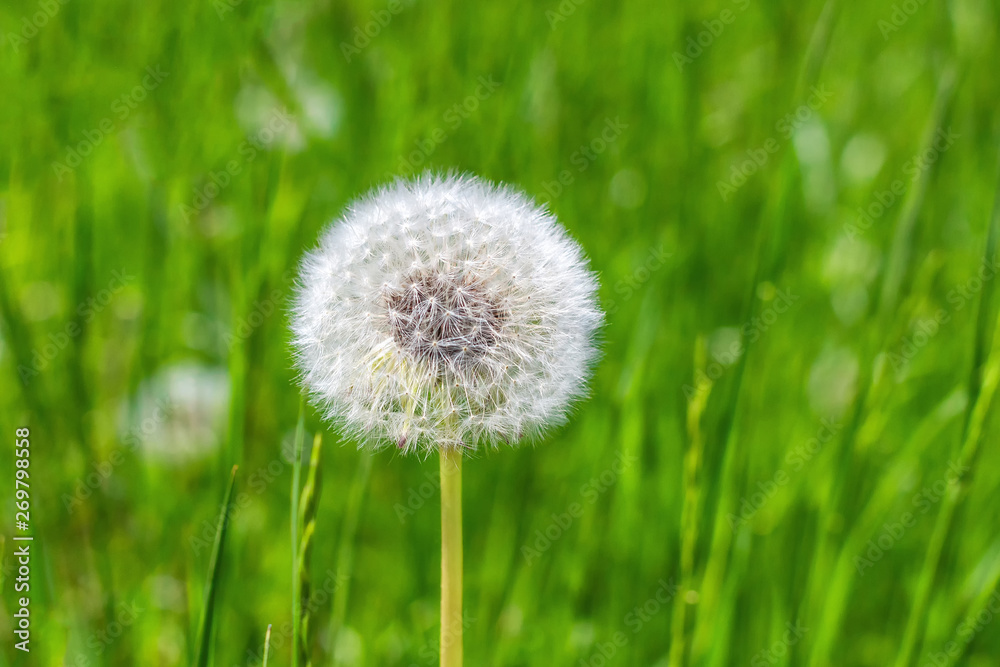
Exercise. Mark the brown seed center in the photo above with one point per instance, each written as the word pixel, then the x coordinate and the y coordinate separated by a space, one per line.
pixel 446 319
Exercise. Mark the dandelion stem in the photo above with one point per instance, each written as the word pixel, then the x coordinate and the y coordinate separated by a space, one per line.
pixel 451 557
pixel 296 484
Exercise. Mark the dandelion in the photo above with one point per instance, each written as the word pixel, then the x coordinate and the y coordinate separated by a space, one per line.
pixel 179 414
pixel 446 314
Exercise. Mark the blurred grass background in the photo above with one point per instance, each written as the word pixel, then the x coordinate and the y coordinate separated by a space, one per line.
pixel 164 165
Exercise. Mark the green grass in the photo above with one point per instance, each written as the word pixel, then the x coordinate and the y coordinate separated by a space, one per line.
pixel 144 329
pixel 215 569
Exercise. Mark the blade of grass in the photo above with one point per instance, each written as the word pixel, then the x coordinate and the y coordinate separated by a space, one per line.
pixel 903 236
pixel 19 341
pixel 844 577
pixel 983 319
pixel 984 383
pixel 984 600
pixel 267 644
pixel 942 526
pixel 833 511
pixel 766 255
pixel 214 575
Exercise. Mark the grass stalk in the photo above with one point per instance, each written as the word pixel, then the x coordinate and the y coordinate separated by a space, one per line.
pixel 769 250
pixel 691 512
pixel 887 310
pixel 983 311
pixel 308 504
pixel 844 576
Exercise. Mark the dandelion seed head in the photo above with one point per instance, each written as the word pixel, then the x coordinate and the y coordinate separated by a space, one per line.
pixel 444 312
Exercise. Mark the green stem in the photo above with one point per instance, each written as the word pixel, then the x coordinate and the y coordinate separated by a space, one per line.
pixel 296 483
pixel 451 557
pixel 691 511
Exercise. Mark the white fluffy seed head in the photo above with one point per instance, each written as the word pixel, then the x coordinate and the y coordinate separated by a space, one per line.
pixel 445 312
